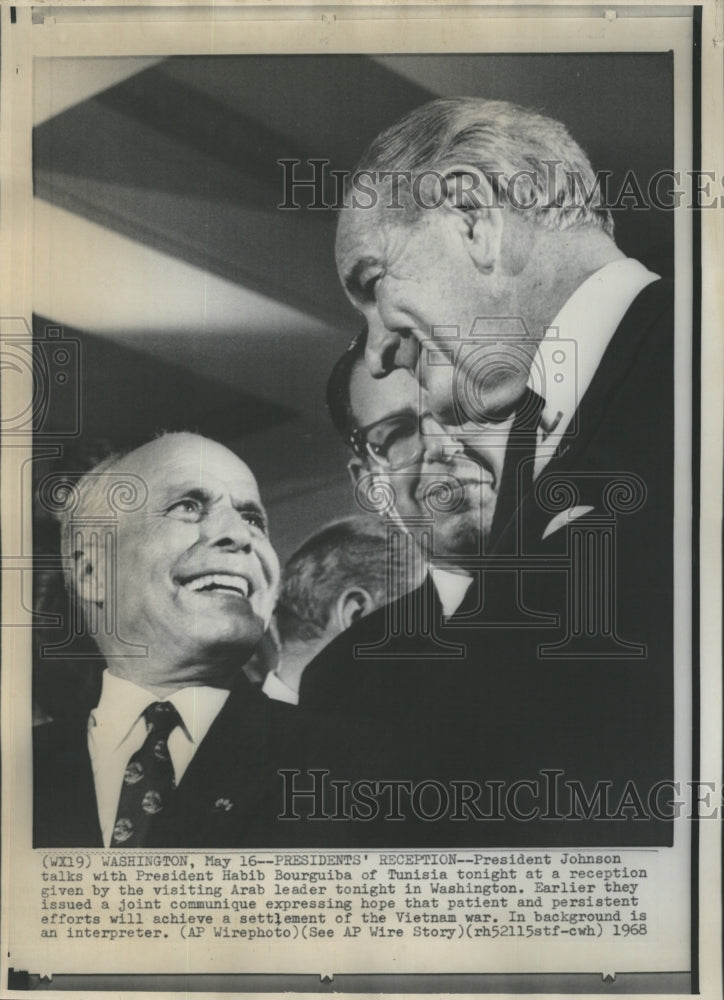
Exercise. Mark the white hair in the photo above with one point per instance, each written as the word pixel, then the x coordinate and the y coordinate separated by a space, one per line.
pixel 504 142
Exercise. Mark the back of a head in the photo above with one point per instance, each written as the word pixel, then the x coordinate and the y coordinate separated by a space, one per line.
pixel 352 552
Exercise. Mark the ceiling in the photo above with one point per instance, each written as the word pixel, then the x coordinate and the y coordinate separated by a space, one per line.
pixel 194 299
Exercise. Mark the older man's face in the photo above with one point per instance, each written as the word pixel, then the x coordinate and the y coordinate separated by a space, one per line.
pixel 452 478
pixel 196 574
pixel 423 296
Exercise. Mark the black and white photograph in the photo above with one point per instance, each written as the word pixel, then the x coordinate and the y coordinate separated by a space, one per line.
pixel 356 388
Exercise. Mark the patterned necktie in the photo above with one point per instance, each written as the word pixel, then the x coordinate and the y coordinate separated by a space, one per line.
pixel 516 479
pixel 149 778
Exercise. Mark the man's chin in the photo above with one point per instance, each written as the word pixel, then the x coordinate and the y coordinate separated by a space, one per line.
pixel 466 537
pixel 230 640
pixel 481 405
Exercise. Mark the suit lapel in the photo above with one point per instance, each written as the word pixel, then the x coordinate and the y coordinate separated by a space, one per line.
pixel 598 402
pixel 621 355
pixel 517 474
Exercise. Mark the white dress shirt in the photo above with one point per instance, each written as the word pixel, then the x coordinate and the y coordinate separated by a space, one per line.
pixel 276 689
pixel 451 588
pixel 117 729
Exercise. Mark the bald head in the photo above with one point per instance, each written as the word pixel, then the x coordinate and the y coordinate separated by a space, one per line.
pixel 182 576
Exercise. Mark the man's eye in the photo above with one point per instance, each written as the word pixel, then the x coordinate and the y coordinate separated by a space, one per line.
pixel 398 432
pixel 368 287
pixel 187 509
pixel 255 518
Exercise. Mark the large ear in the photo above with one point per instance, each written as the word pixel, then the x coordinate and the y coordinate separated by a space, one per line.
pixel 477 212
pixel 89 572
pixel 352 603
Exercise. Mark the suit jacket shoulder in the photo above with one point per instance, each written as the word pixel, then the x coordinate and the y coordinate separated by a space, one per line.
pixel 64 802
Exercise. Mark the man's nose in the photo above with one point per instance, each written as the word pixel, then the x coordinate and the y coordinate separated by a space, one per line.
pixel 226 528
pixel 388 348
pixel 437 443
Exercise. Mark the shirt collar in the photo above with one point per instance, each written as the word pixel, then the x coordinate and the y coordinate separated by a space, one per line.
pixel 122 702
pixel 574 344
pixel 276 689
pixel 198 707
pixel 451 588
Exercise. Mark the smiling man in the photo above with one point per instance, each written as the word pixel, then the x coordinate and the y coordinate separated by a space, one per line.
pixel 195 572
pixel 167 554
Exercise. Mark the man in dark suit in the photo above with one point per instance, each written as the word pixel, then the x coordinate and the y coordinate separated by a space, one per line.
pixel 168 556
pixel 560 656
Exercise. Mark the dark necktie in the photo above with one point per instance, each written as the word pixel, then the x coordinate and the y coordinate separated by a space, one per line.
pixel 148 781
pixel 516 480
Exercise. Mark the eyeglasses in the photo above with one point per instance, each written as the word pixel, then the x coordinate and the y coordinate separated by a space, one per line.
pixel 394 442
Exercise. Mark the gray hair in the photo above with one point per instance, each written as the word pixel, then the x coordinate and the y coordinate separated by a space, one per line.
pixel 503 141
pixel 350 552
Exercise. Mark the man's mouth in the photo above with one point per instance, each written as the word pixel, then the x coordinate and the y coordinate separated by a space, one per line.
pixel 457 478
pixel 484 473
pixel 446 488
pixel 229 583
pixel 487 479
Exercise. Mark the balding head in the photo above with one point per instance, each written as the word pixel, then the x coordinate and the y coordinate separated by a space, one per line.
pixel 184 591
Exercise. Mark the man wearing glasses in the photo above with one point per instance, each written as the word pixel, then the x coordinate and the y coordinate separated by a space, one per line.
pixel 456 680
pixel 438 498
pixel 424 474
